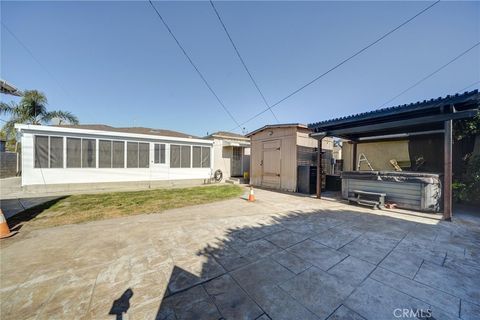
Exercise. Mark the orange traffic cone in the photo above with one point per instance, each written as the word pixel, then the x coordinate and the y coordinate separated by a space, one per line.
pixel 4 229
pixel 251 196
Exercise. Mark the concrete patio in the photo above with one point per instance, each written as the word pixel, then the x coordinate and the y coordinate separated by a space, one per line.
pixel 282 257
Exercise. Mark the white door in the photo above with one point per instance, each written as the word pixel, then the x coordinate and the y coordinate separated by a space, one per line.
pixel 271 164
pixel 159 155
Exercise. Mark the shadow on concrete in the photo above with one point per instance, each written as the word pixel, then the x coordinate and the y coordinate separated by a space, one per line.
pixel 17 221
pixel 121 305
pixel 305 265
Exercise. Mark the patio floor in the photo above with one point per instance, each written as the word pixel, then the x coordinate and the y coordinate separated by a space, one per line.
pixel 282 257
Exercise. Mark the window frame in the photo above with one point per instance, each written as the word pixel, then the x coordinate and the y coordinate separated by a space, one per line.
pixel 66 152
pixel 111 153
pixel 35 151
pixel 159 154
pixel 182 146
pixel 63 151
pixel 124 156
pixel 209 148
pixel 138 154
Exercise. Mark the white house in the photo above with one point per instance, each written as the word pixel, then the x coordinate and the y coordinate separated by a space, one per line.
pixel 99 156
pixel 231 154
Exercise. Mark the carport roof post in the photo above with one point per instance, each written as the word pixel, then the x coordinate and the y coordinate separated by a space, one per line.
pixel 434 115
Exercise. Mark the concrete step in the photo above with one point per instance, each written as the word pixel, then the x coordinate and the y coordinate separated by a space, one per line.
pixel 233 180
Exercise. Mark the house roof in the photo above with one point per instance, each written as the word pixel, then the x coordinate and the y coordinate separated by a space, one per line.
pixel 280 125
pixel 107 131
pixel 227 135
pixel 418 116
pixel 137 130
pixel 7 88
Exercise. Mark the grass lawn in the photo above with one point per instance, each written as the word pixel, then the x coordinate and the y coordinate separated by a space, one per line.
pixel 91 207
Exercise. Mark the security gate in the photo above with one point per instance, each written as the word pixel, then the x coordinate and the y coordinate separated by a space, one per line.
pixel 236 165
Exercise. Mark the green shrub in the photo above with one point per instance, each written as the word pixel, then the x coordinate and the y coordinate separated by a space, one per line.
pixel 468 188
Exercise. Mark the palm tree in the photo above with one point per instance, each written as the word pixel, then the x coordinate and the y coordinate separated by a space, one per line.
pixel 32 109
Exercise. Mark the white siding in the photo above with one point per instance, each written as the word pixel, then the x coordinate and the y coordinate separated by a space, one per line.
pixel 156 172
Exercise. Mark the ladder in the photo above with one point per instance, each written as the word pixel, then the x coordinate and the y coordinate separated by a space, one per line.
pixel 363 158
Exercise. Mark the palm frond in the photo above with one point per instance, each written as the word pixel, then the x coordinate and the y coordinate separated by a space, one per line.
pixel 7 108
pixel 61 115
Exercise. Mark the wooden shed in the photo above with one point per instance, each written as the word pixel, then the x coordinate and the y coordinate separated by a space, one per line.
pixel 278 150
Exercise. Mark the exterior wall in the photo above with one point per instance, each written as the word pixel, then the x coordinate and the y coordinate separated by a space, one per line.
pixel 378 154
pixel 304 140
pixel 155 172
pixel 223 158
pixel 288 156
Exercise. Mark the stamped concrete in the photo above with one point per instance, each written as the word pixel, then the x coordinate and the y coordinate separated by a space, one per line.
pixel 282 257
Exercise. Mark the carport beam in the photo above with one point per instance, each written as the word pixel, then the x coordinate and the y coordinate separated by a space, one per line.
pixel 447 176
pixel 319 168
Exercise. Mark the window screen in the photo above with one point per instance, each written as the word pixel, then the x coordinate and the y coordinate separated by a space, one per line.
pixel 41 151
pixel 197 157
pixel 174 156
pixel 143 155
pixel 162 153
pixel 88 153
pixel 74 153
pixel 56 152
pixel 132 154
pixel 185 157
pixel 156 153
pixel 159 153
pixel 205 157
pixel 118 157
pixel 104 154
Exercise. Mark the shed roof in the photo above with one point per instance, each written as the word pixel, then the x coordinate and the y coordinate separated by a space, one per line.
pixel 280 125
pixel 138 130
pixel 414 117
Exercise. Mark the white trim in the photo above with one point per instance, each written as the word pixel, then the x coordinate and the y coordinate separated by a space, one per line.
pixel 30 127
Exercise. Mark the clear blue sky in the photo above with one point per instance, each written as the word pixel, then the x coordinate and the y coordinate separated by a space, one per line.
pixel 114 62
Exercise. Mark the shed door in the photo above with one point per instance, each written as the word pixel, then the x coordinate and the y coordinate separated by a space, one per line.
pixel 271 164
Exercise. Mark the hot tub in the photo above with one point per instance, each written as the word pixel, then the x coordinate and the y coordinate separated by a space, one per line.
pixel 410 190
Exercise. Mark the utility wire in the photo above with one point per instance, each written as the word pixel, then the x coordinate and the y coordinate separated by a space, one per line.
pixel 35 59
pixel 340 64
pixel 193 64
pixel 431 74
pixel 469 86
pixel 242 61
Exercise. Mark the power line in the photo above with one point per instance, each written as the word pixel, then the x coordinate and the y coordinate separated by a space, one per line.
pixel 431 74
pixel 469 86
pixel 35 59
pixel 340 64
pixel 241 59
pixel 193 64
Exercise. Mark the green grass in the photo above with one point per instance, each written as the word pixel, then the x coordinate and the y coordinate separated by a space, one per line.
pixel 91 207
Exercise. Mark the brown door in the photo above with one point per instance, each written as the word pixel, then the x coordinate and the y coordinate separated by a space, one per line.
pixel 271 164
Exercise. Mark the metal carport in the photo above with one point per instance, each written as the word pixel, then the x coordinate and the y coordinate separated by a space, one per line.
pixel 423 117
